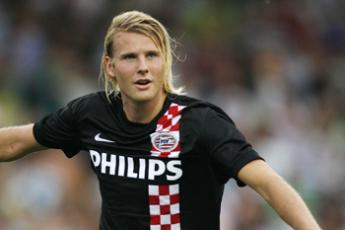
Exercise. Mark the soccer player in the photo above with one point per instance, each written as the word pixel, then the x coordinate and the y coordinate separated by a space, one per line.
pixel 161 158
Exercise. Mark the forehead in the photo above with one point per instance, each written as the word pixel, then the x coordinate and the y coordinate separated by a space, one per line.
pixel 132 42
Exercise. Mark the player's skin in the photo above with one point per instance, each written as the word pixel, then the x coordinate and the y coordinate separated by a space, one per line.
pixel 138 67
pixel 138 60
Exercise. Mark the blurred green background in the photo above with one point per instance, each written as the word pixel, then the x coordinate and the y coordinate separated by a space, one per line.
pixel 275 66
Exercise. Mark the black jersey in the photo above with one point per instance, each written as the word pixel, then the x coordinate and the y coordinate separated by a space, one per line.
pixel 168 174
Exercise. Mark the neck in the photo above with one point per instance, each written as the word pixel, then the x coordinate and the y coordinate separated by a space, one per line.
pixel 143 112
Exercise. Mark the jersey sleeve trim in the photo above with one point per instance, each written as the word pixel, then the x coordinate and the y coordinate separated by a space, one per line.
pixel 248 157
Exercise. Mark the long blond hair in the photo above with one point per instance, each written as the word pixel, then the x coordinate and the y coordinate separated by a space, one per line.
pixel 138 22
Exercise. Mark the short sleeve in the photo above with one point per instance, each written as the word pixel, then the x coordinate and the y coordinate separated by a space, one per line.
pixel 59 130
pixel 226 145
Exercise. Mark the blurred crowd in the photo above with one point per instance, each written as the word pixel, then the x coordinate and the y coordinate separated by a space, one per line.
pixel 275 66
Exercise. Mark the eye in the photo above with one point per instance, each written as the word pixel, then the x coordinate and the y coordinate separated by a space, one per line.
pixel 129 56
pixel 152 54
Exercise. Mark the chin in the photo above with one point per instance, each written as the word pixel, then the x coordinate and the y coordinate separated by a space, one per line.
pixel 145 96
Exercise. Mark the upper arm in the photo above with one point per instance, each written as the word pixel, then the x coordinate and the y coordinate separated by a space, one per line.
pixel 259 176
pixel 17 141
pixel 27 141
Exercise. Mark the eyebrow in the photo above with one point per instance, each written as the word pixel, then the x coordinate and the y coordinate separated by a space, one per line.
pixel 128 54
pixel 152 52
pixel 135 53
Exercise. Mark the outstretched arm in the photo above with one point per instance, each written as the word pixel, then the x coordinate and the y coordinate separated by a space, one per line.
pixel 279 194
pixel 17 141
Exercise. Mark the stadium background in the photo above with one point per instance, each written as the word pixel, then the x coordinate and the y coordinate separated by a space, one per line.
pixel 277 67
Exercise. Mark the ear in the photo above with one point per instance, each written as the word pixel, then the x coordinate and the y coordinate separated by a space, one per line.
pixel 109 66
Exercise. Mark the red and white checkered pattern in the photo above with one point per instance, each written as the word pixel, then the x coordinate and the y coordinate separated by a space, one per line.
pixel 164 207
pixel 164 200
pixel 168 123
pixel 170 120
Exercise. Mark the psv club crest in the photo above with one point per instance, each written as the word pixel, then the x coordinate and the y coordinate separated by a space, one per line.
pixel 164 141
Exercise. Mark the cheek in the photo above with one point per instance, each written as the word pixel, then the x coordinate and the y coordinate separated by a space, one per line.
pixel 124 69
pixel 158 68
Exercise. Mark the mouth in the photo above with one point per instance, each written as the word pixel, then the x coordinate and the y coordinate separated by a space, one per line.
pixel 142 83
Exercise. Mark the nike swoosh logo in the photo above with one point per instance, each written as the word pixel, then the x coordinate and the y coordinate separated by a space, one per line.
pixel 100 139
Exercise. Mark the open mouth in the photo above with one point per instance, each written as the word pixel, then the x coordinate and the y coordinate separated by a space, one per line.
pixel 143 82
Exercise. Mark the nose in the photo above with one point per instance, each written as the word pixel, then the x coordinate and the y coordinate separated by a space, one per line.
pixel 142 68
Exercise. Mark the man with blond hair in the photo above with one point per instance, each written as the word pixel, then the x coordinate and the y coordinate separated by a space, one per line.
pixel 161 158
